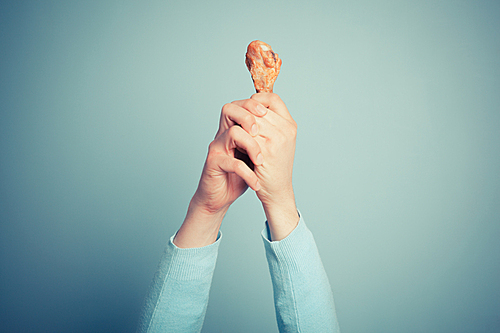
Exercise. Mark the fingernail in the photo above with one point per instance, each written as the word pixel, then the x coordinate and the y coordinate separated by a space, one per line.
pixel 254 129
pixel 261 109
pixel 257 186
pixel 260 159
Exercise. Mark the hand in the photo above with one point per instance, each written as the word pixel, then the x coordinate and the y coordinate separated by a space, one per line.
pixel 276 138
pixel 226 175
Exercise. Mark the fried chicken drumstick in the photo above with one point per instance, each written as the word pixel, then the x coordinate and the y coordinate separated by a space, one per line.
pixel 264 65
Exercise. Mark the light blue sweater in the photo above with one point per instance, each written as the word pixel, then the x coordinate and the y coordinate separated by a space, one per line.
pixel 178 297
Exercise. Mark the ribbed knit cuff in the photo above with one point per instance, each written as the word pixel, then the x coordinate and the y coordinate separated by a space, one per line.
pixel 293 251
pixel 192 263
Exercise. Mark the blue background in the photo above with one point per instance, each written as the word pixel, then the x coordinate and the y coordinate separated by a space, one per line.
pixel 107 110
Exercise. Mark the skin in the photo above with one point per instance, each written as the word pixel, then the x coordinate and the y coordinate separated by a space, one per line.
pixel 254 147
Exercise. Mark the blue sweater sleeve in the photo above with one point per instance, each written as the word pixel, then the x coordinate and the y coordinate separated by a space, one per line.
pixel 303 297
pixel 178 296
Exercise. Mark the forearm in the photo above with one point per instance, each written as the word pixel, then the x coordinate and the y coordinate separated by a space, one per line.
pixel 178 296
pixel 302 293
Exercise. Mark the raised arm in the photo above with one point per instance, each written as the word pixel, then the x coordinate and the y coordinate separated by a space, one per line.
pixel 178 296
pixel 302 294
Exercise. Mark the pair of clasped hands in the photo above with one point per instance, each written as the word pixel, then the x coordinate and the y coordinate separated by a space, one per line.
pixel 254 147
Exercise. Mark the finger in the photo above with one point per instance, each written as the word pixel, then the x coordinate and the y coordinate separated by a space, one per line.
pixel 252 106
pixel 233 114
pixel 237 138
pixel 232 165
pixel 273 124
pixel 274 103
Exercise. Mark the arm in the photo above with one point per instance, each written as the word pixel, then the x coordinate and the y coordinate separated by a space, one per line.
pixel 178 296
pixel 302 294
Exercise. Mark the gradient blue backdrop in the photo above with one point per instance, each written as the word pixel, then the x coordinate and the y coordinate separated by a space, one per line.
pixel 107 109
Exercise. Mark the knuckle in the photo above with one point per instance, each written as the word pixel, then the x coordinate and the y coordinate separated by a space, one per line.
pixel 233 130
pixel 225 107
pixel 212 150
pixel 291 128
pixel 238 166
pixel 247 102
pixel 248 119
pixel 211 146
pixel 274 98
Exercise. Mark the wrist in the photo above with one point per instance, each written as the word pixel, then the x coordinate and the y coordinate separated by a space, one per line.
pixel 200 227
pixel 282 218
